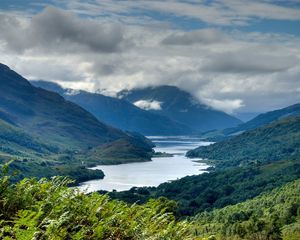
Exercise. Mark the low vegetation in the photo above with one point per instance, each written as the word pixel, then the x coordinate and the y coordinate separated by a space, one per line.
pixel 48 209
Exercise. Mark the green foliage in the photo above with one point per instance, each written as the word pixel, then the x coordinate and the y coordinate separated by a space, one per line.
pixel 46 209
pixel 275 215
pixel 48 169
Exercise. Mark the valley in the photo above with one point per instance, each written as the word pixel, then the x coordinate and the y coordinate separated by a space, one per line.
pixel 199 184
pixel 149 120
pixel 159 170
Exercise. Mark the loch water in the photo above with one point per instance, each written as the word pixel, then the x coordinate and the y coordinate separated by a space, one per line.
pixel 160 169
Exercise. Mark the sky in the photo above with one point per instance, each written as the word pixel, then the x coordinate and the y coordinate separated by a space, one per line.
pixel 233 55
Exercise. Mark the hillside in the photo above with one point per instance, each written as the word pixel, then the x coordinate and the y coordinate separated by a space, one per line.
pixel 180 106
pixel 278 140
pixel 44 133
pixel 274 215
pixel 119 113
pixel 259 121
pixel 49 115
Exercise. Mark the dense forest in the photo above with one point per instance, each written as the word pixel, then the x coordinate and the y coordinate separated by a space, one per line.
pixel 275 215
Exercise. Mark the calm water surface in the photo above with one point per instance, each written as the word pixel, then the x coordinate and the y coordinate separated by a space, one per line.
pixel 159 170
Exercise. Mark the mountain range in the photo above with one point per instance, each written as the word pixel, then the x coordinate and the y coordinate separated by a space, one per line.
pixel 118 112
pixel 180 106
pixel 164 110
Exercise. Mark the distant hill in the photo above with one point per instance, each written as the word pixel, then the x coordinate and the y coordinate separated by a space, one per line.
pixel 246 116
pixel 180 106
pixel 260 120
pixel 119 113
pixel 269 143
pixel 37 125
pixel 269 117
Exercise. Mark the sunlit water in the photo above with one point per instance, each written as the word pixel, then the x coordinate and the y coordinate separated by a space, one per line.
pixel 159 170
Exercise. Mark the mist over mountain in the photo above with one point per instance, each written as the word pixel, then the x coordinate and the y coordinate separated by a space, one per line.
pixel 181 106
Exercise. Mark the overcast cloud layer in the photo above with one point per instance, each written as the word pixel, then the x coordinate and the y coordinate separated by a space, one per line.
pixel 108 46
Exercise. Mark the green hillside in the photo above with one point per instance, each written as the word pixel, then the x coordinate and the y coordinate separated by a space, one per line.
pixel 275 215
pixel 270 143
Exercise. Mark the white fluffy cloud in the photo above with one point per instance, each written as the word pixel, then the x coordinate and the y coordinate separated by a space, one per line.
pixel 148 104
pixel 229 70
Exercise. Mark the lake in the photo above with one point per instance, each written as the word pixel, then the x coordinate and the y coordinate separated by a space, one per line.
pixel 160 169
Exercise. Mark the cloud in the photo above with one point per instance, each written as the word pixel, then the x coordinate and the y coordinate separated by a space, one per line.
pixel 226 105
pixel 229 70
pixel 203 36
pixel 58 30
pixel 148 104
pixel 226 12
pixel 249 61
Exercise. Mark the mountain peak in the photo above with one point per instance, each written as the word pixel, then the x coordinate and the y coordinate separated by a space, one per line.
pixel 4 67
pixel 181 106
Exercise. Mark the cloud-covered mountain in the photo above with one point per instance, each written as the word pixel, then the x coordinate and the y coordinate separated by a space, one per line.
pixel 180 106
pixel 120 113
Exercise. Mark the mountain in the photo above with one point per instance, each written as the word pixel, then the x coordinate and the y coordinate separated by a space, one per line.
pixel 269 117
pixel 180 106
pixel 119 113
pixel 246 116
pixel 49 115
pixel 40 127
pixel 260 120
pixel 272 142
